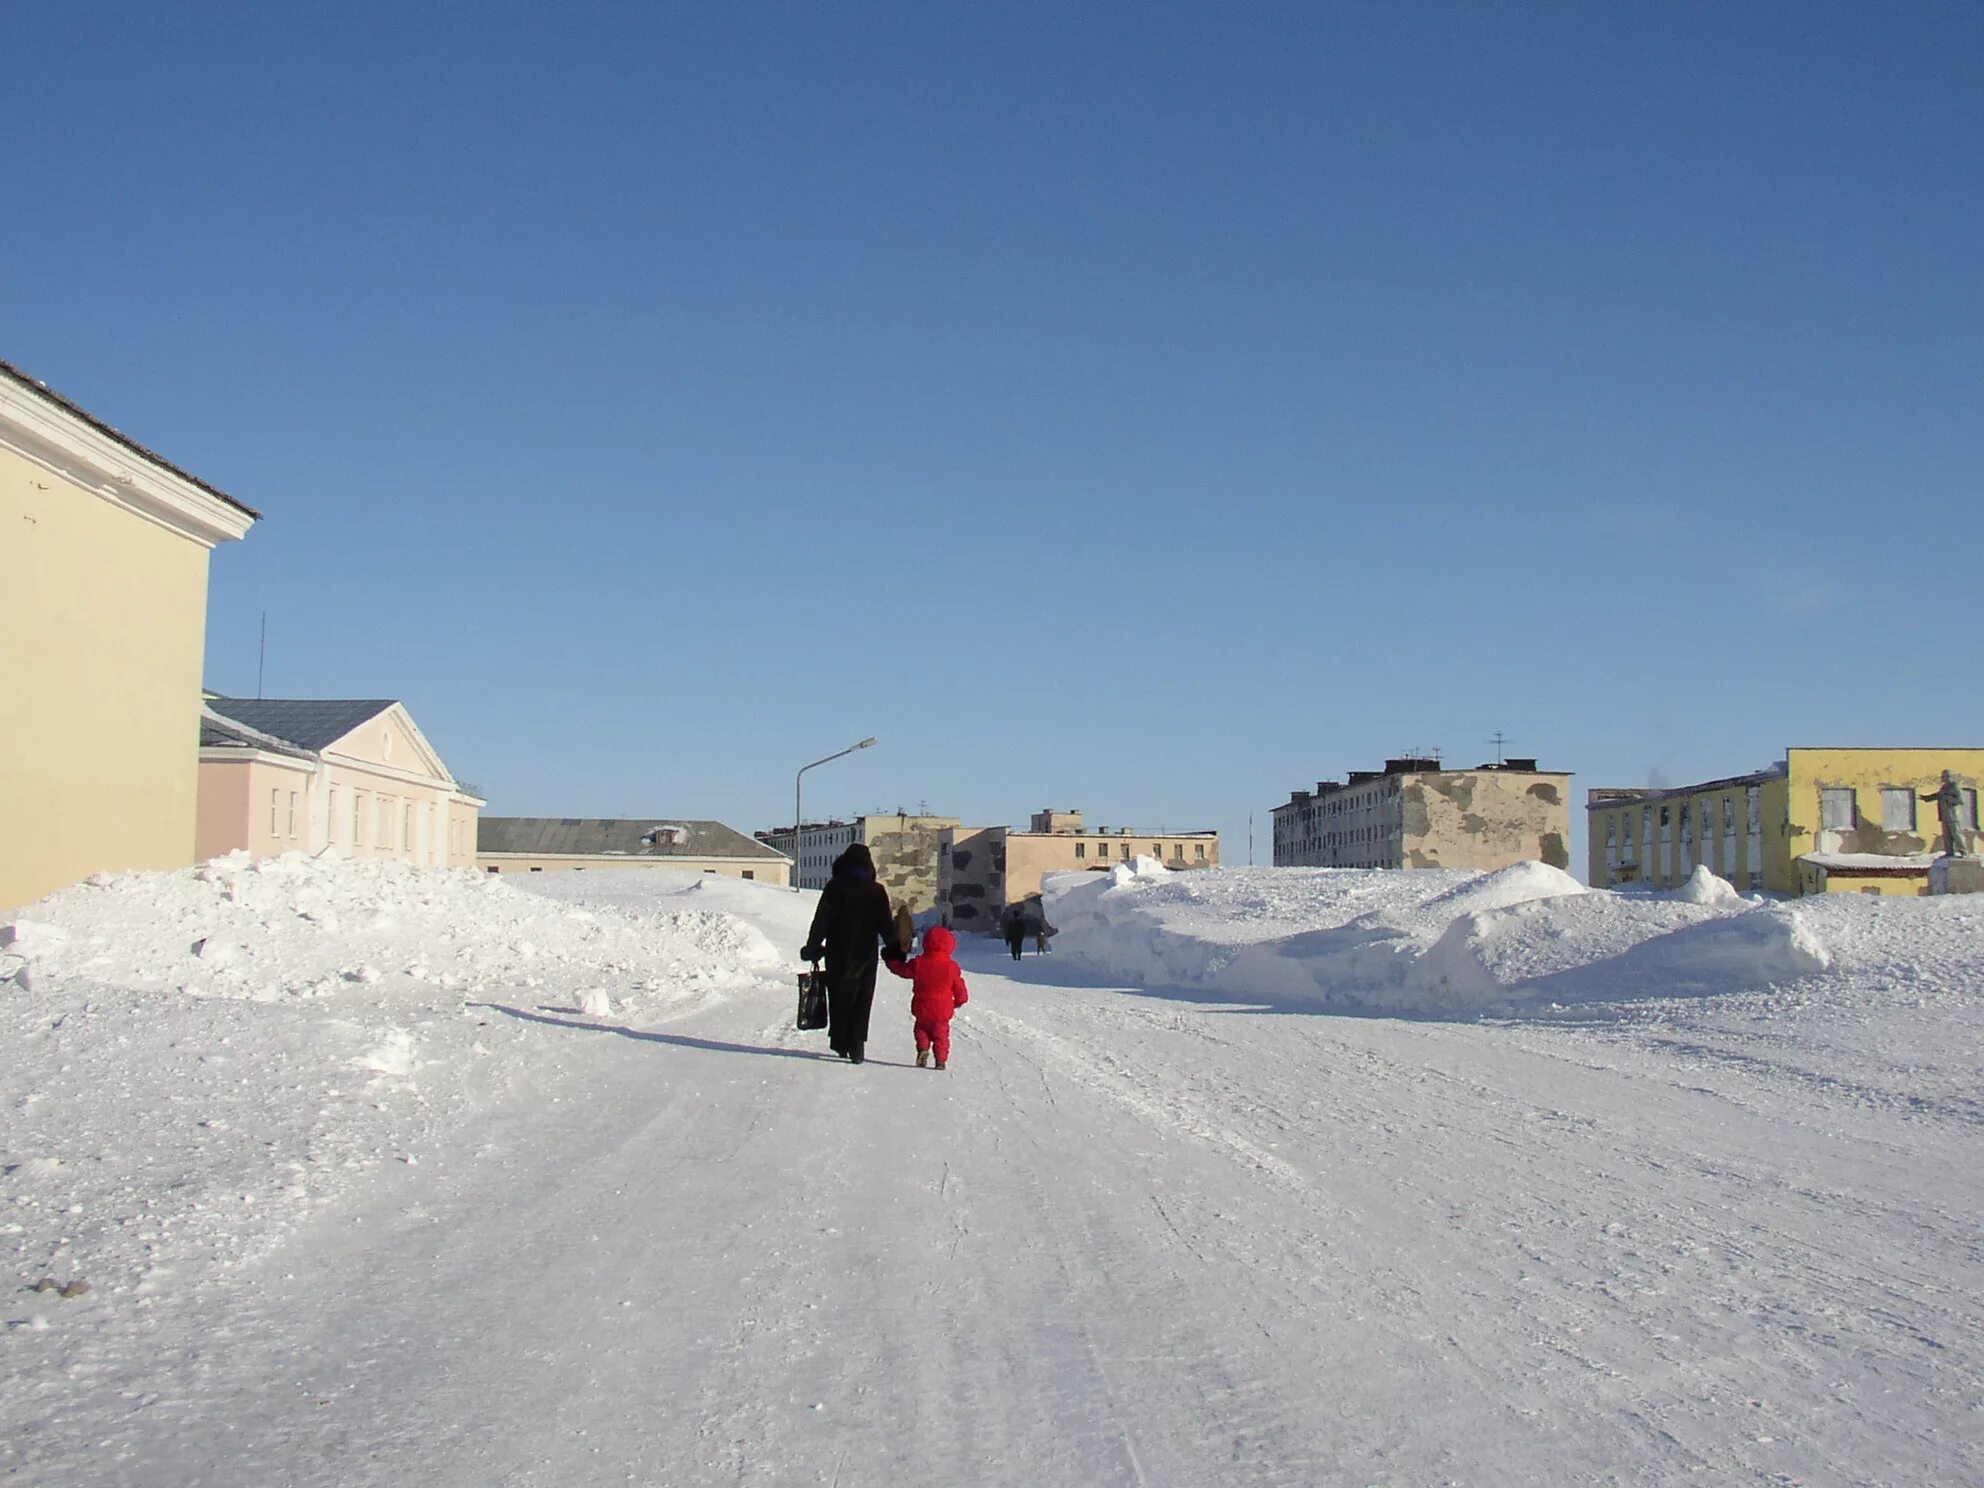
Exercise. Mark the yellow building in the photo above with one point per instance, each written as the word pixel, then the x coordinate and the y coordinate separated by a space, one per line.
pixel 1822 820
pixel 554 844
pixel 102 639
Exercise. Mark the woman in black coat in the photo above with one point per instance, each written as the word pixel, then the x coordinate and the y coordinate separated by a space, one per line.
pixel 852 919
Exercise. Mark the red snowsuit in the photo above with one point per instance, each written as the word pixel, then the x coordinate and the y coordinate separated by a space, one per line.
pixel 937 990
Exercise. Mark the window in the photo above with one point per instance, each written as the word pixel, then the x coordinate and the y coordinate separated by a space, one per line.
pixel 1081 849
pixel 272 812
pixel 750 873
pixel 492 869
pixel 1611 831
pixel 1729 816
pixel 385 821
pixel 292 813
pixel 407 841
pixel 1897 808
pixel 1178 852
pixel 1837 808
pixel 357 818
pixel 1198 850
pixel 1124 851
pixel 1970 809
pixel 331 816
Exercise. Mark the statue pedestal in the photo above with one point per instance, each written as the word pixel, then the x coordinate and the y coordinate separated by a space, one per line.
pixel 1949 875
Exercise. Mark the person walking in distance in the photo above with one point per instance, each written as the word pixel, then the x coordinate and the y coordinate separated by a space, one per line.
pixel 937 991
pixel 853 916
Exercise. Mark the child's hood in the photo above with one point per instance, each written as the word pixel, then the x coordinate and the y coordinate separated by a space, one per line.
pixel 939 941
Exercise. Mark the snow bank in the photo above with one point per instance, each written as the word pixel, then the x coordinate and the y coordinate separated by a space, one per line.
pixel 198 1060
pixel 1433 942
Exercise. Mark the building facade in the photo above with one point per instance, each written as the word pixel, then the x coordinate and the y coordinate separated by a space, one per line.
pixel 354 777
pixel 1415 814
pixel 102 639
pixel 554 844
pixel 905 847
pixel 983 870
pixel 1821 820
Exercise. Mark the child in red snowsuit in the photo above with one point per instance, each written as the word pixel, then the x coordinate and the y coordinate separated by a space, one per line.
pixel 937 990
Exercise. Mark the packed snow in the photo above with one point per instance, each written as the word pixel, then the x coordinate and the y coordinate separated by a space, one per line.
pixel 357 1173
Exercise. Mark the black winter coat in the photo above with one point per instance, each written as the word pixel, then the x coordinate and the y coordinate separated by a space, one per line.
pixel 853 916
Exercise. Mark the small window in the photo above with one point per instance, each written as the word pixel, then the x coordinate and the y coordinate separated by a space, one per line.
pixel 331 815
pixel 1897 808
pixel 492 868
pixel 537 870
pixel 750 873
pixel 1838 810
pixel 292 813
pixel 1970 809
pixel 1081 849
pixel 272 812
pixel 1198 849
pixel 1123 851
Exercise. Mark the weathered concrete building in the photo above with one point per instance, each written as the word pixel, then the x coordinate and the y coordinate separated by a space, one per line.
pixel 982 870
pixel 905 847
pixel 1821 820
pixel 1416 814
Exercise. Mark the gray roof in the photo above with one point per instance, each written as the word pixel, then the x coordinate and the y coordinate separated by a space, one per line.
pixel 633 837
pixel 308 723
pixel 10 371
pixel 224 733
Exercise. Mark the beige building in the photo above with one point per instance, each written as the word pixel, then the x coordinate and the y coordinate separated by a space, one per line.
pixel 982 870
pixel 1415 814
pixel 905 847
pixel 553 844
pixel 1821 820
pixel 354 777
pixel 102 638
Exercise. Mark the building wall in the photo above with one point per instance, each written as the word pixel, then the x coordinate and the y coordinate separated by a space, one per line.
pixel 906 849
pixel 982 870
pixel 1866 773
pixel 1735 827
pixel 1814 879
pixel 971 877
pixel 1484 819
pixel 102 631
pixel 263 804
pixel 774 871
pixel 1781 817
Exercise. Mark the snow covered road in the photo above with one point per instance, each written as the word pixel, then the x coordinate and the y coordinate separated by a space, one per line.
pixel 1130 1237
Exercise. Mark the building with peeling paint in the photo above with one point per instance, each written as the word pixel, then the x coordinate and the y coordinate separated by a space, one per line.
pixel 982 870
pixel 905 847
pixel 1416 814
pixel 1821 820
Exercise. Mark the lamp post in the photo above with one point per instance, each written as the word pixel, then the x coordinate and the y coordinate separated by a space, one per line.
pixel 799 810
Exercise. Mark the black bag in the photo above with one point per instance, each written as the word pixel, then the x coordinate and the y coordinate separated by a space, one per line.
pixel 813 999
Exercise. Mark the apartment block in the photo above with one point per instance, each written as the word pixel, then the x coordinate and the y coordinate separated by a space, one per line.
pixel 1414 813
pixel 982 870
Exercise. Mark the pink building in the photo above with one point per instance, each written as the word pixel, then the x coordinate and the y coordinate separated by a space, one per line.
pixel 353 777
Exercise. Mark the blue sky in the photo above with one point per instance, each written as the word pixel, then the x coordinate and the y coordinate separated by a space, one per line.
pixel 1148 408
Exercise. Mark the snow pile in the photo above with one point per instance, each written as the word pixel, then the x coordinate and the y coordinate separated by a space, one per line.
pixel 198 1060
pixel 1435 941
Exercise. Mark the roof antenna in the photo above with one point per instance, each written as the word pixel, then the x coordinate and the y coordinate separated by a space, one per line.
pixel 1499 741
pixel 262 662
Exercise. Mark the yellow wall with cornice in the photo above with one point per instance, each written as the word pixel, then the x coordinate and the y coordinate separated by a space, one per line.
pixel 102 632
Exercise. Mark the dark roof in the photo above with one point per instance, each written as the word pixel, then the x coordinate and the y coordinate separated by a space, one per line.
pixel 627 838
pixel 308 723
pixel 217 732
pixel 8 369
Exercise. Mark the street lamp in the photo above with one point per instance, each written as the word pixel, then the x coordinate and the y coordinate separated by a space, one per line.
pixel 799 810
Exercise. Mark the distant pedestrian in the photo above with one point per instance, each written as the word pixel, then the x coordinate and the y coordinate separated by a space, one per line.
pixel 852 918
pixel 937 991
pixel 1016 936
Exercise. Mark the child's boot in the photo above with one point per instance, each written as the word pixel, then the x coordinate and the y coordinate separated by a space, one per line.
pixel 923 1058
